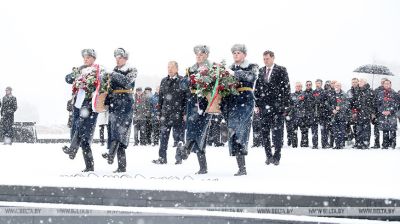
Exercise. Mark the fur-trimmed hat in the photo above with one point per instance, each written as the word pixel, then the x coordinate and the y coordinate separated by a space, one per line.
pixel 121 52
pixel 139 89
pixel 239 47
pixel 88 52
pixel 8 88
pixel 148 88
pixel 201 49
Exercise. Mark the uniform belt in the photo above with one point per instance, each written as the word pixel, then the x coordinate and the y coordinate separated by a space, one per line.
pixel 117 91
pixel 242 89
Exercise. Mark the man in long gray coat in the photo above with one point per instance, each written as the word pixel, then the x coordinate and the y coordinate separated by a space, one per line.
pixel 8 108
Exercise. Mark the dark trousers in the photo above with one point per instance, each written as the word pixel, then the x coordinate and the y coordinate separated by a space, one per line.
pixel 363 133
pixel 389 139
pixel 272 123
pixel 214 132
pixel 257 138
pixel 165 132
pixel 304 134
pixel 339 130
pixel 148 129
pixel 289 131
pixel 155 132
pixel 314 132
pixel 140 129
pixel 376 135
pixel 102 132
pixel 178 134
pixel 350 133
pixel 326 134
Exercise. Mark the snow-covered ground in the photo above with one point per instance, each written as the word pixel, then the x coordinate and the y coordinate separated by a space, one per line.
pixel 348 172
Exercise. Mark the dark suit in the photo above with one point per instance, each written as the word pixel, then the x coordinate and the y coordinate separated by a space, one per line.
pixel 273 99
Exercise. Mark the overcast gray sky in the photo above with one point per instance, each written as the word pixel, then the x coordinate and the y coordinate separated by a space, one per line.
pixel 40 41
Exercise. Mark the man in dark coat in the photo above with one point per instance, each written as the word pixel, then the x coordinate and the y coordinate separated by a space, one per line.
pixel 350 127
pixel 297 114
pixel 326 117
pixel 172 107
pixel 197 121
pixel 149 95
pixel 387 104
pixel 362 110
pixel 155 118
pixel 84 117
pixel 142 110
pixel 8 108
pixel 309 112
pixel 238 109
pixel 272 94
pixel 375 116
pixel 120 101
pixel 340 106
pixel 316 110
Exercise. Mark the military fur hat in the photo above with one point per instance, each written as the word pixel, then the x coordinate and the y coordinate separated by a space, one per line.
pixel 8 88
pixel 148 88
pixel 88 52
pixel 121 52
pixel 239 47
pixel 201 49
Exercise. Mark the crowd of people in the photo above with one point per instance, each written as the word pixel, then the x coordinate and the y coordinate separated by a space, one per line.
pixel 264 103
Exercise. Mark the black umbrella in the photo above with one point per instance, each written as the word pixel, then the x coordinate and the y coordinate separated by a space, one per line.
pixel 374 70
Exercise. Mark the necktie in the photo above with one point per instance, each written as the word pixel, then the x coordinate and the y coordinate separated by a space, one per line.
pixel 266 77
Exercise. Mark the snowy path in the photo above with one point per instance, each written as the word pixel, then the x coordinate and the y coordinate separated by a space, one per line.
pixel 354 173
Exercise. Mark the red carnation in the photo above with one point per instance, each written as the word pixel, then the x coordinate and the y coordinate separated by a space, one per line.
pixel 338 100
pixel 192 80
pixel 301 98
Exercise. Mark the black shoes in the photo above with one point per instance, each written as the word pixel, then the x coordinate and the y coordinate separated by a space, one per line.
pixel 241 172
pixel 219 144
pixel 269 160
pixel 201 171
pixel 160 161
pixel 88 169
pixel 69 151
pixel 119 170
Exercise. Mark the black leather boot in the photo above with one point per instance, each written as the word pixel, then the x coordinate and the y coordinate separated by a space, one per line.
pixel 201 156
pixel 111 152
pixel 73 148
pixel 242 165
pixel 88 157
